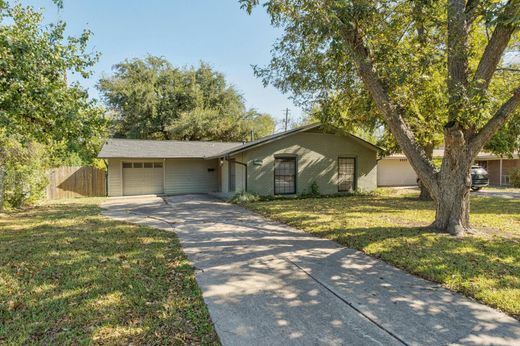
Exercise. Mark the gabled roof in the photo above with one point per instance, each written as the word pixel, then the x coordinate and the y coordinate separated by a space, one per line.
pixel 157 149
pixel 161 149
pixel 278 136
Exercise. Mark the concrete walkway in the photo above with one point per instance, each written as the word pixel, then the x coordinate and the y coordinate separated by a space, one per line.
pixel 268 284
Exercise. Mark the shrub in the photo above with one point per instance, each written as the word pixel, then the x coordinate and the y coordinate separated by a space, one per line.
pixel 244 197
pixel 24 179
pixel 314 189
pixel 514 178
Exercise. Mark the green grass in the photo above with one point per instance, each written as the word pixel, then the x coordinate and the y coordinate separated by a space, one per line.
pixel 71 276
pixel 484 265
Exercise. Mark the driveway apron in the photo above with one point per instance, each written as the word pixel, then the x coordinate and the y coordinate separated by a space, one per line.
pixel 266 283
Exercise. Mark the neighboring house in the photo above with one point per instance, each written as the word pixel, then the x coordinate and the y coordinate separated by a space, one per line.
pixel 395 170
pixel 286 163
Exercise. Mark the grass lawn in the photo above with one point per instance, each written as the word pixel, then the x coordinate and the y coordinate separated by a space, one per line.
pixel 71 276
pixel 485 265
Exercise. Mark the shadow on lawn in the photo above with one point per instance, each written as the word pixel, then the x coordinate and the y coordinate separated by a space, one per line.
pixel 74 276
pixel 488 269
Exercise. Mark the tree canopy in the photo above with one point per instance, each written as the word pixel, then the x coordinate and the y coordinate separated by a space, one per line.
pixel 428 71
pixel 44 120
pixel 152 99
pixel 36 102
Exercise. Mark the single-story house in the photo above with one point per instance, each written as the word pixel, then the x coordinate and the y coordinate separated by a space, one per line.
pixel 395 170
pixel 286 163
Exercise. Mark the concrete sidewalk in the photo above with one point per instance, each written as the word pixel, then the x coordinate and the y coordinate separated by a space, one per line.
pixel 268 284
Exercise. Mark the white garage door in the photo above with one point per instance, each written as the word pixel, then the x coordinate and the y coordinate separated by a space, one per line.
pixel 395 172
pixel 142 178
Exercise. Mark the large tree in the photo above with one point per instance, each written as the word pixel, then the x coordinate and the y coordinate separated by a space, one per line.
pixel 152 99
pixel 384 48
pixel 37 105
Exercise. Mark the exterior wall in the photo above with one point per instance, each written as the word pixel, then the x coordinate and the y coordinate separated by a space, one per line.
pixel 316 161
pixel 508 166
pixel 239 175
pixel 190 176
pixel 493 169
pixel 395 172
pixel 115 181
pixel 224 173
pixel 180 176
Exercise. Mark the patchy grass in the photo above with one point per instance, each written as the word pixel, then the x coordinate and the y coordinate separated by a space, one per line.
pixel 71 276
pixel 485 265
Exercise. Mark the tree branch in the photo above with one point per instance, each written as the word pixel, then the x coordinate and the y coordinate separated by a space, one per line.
pixel 457 55
pixel 471 11
pixel 352 37
pixel 496 46
pixel 493 125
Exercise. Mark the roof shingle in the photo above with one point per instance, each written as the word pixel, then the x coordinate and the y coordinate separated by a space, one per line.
pixel 154 149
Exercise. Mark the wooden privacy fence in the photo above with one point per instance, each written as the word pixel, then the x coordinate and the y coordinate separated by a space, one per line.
pixel 69 182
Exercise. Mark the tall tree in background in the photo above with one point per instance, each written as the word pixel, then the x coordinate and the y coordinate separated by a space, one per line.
pixel 389 50
pixel 39 112
pixel 152 99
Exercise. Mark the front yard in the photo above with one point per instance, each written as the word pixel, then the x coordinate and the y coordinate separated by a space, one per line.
pixel 71 276
pixel 484 265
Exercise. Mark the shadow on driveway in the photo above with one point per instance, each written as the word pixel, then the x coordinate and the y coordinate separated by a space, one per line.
pixel 267 284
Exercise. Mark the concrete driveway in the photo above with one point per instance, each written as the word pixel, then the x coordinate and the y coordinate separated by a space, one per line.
pixel 489 192
pixel 268 284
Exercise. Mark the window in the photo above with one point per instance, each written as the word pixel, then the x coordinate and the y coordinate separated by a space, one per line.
pixel 346 174
pixel 232 175
pixel 142 164
pixel 284 175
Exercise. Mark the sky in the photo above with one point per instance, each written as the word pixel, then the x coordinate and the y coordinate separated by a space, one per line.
pixel 185 32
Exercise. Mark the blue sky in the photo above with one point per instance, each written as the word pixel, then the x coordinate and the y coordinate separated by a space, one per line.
pixel 183 31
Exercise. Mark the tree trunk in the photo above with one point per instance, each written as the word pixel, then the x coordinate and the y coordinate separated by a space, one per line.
pixel 453 206
pixel 425 193
pixel 454 183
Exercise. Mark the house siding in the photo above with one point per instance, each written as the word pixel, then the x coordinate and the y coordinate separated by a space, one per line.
pixel 115 187
pixel 317 161
pixel 180 176
pixel 190 176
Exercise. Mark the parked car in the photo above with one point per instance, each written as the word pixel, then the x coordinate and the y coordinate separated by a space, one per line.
pixel 479 178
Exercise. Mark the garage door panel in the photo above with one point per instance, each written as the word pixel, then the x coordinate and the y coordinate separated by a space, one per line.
pixel 395 172
pixel 142 181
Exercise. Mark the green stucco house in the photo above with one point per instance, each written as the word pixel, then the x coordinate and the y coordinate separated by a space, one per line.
pixel 286 163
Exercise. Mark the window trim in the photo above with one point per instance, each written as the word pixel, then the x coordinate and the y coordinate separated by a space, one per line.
pixel 354 185
pixel 290 157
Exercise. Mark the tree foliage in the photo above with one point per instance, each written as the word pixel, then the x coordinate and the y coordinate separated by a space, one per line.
pixel 152 99
pixel 40 114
